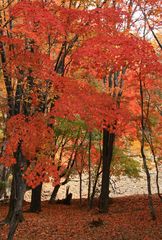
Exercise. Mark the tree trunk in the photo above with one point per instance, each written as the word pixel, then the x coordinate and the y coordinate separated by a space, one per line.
pixel 150 201
pixel 89 167
pixel 143 127
pixel 80 188
pixel 17 195
pixel 156 165
pixel 108 143
pixel 3 182
pixel 11 203
pixel 35 205
pixel 95 185
pixel 54 193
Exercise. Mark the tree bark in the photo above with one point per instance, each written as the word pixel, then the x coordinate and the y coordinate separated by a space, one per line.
pixel 54 193
pixel 35 205
pixel 143 127
pixel 108 143
pixel 95 184
pixel 80 189
pixel 89 167
pixel 15 214
pixel 3 181
pixel 150 201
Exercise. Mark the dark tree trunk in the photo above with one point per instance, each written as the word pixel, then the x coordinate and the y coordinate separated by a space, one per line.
pixel 143 127
pixel 89 167
pixel 54 194
pixel 108 143
pixel 12 202
pixel 150 200
pixel 3 180
pixel 35 205
pixel 17 195
pixel 95 185
pixel 80 189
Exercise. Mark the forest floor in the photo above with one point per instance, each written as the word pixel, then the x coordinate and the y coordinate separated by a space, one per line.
pixel 128 219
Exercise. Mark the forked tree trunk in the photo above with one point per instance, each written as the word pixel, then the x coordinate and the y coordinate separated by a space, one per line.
pixel 35 205
pixel 108 143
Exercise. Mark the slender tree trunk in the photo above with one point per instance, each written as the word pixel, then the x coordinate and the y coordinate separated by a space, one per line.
pixel 35 205
pixel 54 193
pixel 108 143
pixel 80 188
pixel 95 185
pixel 143 126
pixel 156 166
pixel 157 177
pixel 89 167
pixel 3 180
pixel 150 201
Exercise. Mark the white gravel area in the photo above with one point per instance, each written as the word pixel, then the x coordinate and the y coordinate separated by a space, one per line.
pixel 125 186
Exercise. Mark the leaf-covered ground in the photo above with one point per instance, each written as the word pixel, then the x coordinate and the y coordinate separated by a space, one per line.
pixel 128 219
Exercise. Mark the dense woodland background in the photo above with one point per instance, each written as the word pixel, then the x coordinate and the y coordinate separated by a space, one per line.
pixel 80 95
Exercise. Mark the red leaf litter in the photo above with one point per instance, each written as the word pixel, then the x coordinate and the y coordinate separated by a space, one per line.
pixel 128 218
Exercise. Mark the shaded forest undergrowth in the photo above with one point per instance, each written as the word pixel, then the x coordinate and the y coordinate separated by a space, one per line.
pixel 128 219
